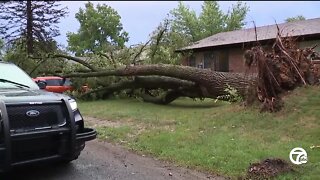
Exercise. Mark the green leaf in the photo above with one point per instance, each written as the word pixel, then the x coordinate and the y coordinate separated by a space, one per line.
pixel 100 27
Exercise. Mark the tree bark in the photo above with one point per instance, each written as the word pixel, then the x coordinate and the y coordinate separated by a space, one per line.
pixel 164 83
pixel 211 83
pixel 29 28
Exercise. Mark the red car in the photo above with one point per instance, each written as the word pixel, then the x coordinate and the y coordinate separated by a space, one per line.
pixel 55 83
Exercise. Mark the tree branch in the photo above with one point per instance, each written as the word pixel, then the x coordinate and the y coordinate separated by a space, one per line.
pixel 140 51
pixel 78 60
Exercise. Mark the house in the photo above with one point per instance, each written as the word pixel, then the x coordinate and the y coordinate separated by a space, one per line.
pixel 224 51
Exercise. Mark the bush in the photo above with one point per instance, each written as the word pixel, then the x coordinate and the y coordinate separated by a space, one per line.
pixel 232 95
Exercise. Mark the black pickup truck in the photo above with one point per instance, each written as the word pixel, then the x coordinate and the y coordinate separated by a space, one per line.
pixel 35 125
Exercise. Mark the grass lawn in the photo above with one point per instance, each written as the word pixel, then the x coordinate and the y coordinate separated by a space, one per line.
pixel 218 137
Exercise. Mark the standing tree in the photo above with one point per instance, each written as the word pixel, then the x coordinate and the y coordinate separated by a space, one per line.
pixel 186 22
pixel 1 48
pixel 32 20
pixel 235 18
pixel 211 18
pixel 100 38
pixel 210 21
pixel 184 27
pixel 100 29
pixel 296 18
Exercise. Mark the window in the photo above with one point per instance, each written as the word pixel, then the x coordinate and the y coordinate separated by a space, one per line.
pixel 54 82
pixel 209 61
pixel 192 61
pixel 58 82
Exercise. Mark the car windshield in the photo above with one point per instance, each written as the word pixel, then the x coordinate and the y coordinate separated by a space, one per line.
pixel 58 82
pixel 54 82
pixel 13 73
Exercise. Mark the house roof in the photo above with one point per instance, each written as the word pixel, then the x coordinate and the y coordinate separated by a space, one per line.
pixel 297 28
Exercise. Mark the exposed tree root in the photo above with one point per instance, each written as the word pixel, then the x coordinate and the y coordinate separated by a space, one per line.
pixel 283 69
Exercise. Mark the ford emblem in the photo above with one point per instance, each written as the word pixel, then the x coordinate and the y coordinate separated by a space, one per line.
pixel 33 113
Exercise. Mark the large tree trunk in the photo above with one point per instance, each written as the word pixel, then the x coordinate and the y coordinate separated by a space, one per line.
pixel 211 83
pixel 29 28
pixel 153 82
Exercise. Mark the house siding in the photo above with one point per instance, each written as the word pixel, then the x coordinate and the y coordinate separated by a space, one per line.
pixel 312 43
pixel 231 45
pixel 229 60
pixel 233 57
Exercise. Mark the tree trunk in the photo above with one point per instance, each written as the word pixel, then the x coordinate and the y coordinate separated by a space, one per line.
pixel 211 83
pixel 29 28
pixel 153 82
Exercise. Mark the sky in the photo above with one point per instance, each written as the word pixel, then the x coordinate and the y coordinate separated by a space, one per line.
pixel 140 18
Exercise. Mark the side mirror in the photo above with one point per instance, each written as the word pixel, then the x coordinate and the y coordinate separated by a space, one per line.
pixel 42 84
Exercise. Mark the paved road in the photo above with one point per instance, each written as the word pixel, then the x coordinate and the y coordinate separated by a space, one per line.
pixel 102 161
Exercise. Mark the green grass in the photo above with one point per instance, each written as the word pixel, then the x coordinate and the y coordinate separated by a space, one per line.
pixel 115 134
pixel 216 137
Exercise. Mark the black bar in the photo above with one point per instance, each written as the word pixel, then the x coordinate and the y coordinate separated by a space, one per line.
pixel 40 133
pixel 72 125
pixel 37 160
pixel 87 135
pixel 7 137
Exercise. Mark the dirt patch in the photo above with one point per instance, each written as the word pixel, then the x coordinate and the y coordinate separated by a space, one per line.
pixel 139 127
pixel 96 122
pixel 308 122
pixel 268 168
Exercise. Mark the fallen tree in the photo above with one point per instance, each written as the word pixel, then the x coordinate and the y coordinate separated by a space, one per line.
pixel 177 81
pixel 210 83
pixel 279 70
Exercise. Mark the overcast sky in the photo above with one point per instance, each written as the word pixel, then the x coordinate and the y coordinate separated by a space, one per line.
pixel 140 18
